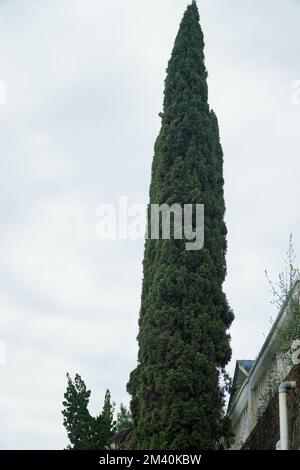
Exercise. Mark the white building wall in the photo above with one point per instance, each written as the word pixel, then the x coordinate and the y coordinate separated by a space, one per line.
pixel 253 397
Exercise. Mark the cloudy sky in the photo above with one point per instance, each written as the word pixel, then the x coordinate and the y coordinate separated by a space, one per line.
pixel 84 83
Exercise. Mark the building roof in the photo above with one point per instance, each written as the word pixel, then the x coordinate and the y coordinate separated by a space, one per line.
pixel 246 364
pixel 242 370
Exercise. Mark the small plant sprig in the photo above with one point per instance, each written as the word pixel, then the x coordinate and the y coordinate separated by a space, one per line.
pixel 281 289
pixel 284 294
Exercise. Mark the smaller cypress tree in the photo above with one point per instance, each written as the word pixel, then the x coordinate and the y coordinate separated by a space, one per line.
pixel 77 419
pixel 104 424
pixel 86 432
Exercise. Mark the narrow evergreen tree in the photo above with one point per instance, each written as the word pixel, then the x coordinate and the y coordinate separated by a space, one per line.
pixel 177 401
pixel 77 419
pixel 104 424
pixel 86 432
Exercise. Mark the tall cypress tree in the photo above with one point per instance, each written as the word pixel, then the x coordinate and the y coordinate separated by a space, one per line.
pixel 177 401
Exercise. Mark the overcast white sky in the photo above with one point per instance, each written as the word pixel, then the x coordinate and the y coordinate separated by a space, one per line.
pixel 84 88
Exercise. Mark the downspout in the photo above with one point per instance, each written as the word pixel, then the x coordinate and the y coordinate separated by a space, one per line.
pixel 283 389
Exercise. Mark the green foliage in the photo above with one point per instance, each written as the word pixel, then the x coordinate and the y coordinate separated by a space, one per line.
pixel 291 331
pixel 286 295
pixel 104 425
pixel 86 432
pixel 282 288
pixel 124 419
pixel 177 401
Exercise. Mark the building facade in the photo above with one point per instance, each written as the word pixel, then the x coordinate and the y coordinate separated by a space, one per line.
pixel 255 390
